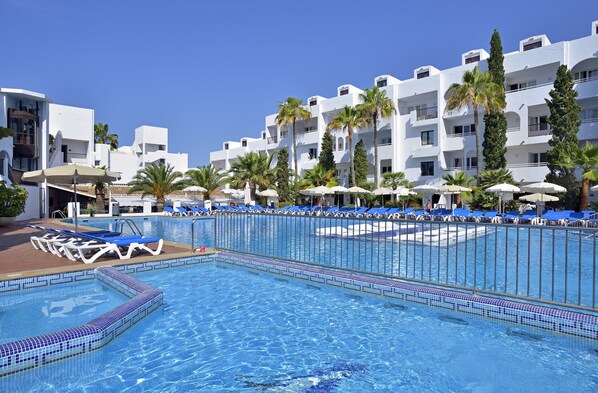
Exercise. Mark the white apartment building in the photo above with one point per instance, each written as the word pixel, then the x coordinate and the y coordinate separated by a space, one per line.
pixel 423 139
pixel 37 122
pixel 150 146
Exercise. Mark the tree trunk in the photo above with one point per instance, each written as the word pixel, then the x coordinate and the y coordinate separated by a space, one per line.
pixel 477 143
pixel 160 203
pixel 350 132
pixel 295 150
pixel 376 162
pixel 583 196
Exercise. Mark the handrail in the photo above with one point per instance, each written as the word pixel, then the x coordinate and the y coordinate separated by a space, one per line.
pixel 59 213
pixel 132 226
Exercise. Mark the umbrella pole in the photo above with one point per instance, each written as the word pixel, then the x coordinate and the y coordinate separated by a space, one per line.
pixel 75 209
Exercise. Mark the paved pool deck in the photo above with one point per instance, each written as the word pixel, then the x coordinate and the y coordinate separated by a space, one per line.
pixel 19 259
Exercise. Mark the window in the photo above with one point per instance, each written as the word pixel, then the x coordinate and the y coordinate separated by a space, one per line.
pixel 386 168
pixel 464 130
pixel 472 59
pixel 244 143
pixel 386 141
pixel 532 45
pixel 97 163
pixel 472 162
pixel 64 151
pixel 313 153
pixel 263 135
pixel 2 166
pixel 423 74
pixel 427 168
pixel 162 161
pixel 161 147
pixel 312 128
pixel 313 102
pixel 458 163
pixel 341 143
pixel 381 83
pixel 226 146
pixel 588 115
pixel 344 92
pixel 427 138
pixel 538 123
pixel 538 158
pixel 582 76
pixel 522 85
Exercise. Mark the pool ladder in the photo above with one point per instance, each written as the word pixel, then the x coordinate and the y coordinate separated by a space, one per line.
pixel 132 226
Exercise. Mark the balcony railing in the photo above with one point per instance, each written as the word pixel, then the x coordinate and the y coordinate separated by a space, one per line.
pixel 539 129
pixel 529 87
pixel 460 134
pixel 513 129
pixel 426 113
pixel 590 120
pixel 583 80
pixel 272 140
pixel 527 165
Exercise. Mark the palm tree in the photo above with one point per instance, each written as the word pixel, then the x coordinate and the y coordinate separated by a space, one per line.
pixel 480 92
pixel 207 177
pixel 318 176
pixel 253 169
pixel 491 177
pixel 459 178
pixel 585 158
pixel 6 132
pixel 100 187
pixel 349 119
pixel 376 105
pixel 100 133
pixel 393 180
pixel 158 180
pixel 288 113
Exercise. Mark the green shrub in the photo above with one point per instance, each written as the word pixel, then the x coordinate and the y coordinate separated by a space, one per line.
pixel 12 200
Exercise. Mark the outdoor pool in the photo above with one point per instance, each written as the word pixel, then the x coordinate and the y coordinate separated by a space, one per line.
pixel 225 328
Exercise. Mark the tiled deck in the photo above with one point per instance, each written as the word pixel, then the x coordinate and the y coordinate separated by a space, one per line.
pixel 19 259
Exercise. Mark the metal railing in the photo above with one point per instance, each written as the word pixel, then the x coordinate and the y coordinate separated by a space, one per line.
pixel 58 213
pixel 426 113
pixel 193 249
pixel 130 223
pixel 545 264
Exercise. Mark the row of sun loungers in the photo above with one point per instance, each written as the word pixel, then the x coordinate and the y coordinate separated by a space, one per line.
pixel 87 247
pixel 549 217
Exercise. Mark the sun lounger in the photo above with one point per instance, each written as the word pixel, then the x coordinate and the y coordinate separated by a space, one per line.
pixel 489 216
pixel 121 246
pixel 511 216
pixel 527 217
pixel 169 211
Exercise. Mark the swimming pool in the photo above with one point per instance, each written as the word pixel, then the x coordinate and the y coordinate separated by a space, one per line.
pixel 551 264
pixel 49 309
pixel 225 328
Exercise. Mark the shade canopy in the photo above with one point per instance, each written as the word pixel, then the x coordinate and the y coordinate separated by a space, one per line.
pixel 425 189
pixel 322 190
pixel 503 188
pixel 538 197
pixel 382 191
pixel 403 191
pixel 544 188
pixel 269 193
pixel 71 174
pixel 452 189
pixel 358 190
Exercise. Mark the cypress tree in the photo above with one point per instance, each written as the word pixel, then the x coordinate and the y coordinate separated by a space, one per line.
pixel 326 159
pixel 564 121
pixel 283 174
pixel 495 122
pixel 360 161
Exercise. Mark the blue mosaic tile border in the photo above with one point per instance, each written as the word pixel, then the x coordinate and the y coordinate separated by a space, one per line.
pixel 42 350
pixel 546 318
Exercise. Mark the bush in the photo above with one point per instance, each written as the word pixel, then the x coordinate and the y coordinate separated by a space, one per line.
pixel 12 200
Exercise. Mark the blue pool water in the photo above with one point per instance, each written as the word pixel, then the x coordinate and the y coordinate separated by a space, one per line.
pixel 552 264
pixel 33 312
pixel 228 329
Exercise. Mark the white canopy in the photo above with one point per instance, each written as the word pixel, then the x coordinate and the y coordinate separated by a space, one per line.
pixel 538 198
pixel 358 190
pixel 268 193
pixel 544 188
pixel 382 191
pixel 339 189
pixel 194 189
pixel 425 189
pixel 503 188
pixel 452 189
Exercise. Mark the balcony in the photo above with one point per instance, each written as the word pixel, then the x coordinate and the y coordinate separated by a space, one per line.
pixel 538 129
pixel 424 116
pixel 529 172
pixel 586 87
pixel 308 137
pixel 456 113
pixel 272 140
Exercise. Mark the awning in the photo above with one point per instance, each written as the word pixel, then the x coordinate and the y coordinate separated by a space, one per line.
pixel 57 187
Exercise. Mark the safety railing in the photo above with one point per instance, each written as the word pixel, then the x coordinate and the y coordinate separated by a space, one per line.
pixel 545 264
pixel 119 226
pixel 58 213
pixel 193 248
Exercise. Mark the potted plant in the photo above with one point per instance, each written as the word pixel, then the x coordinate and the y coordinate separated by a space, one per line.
pixel 12 202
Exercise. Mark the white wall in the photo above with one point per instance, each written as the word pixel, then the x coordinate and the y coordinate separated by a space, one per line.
pixel 32 204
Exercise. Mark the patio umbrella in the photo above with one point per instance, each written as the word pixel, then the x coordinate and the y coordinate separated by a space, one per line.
pixel 71 174
pixel 339 190
pixel 194 189
pixel 247 199
pixel 544 188
pixel 501 189
pixel 308 192
pixel 452 189
pixel 425 189
pixel 537 197
pixel 269 193
pixel 357 190
pixel 382 191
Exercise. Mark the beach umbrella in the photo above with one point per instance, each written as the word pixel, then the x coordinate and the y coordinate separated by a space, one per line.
pixel 194 189
pixel 425 189
pixel 247 195
pixel 595 188
pixel 382 191
pixel 269 193
pixel 501 189
pixel 538 197
pixel 339 190
pixel 357 190
pixel 71 174
pixel 544 188
pixel 452 189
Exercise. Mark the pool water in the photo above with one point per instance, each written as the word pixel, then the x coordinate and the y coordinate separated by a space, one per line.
pixel 33 312
pixel 230 329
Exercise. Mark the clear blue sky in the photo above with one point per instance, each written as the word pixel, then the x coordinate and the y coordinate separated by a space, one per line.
pixel 210 71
